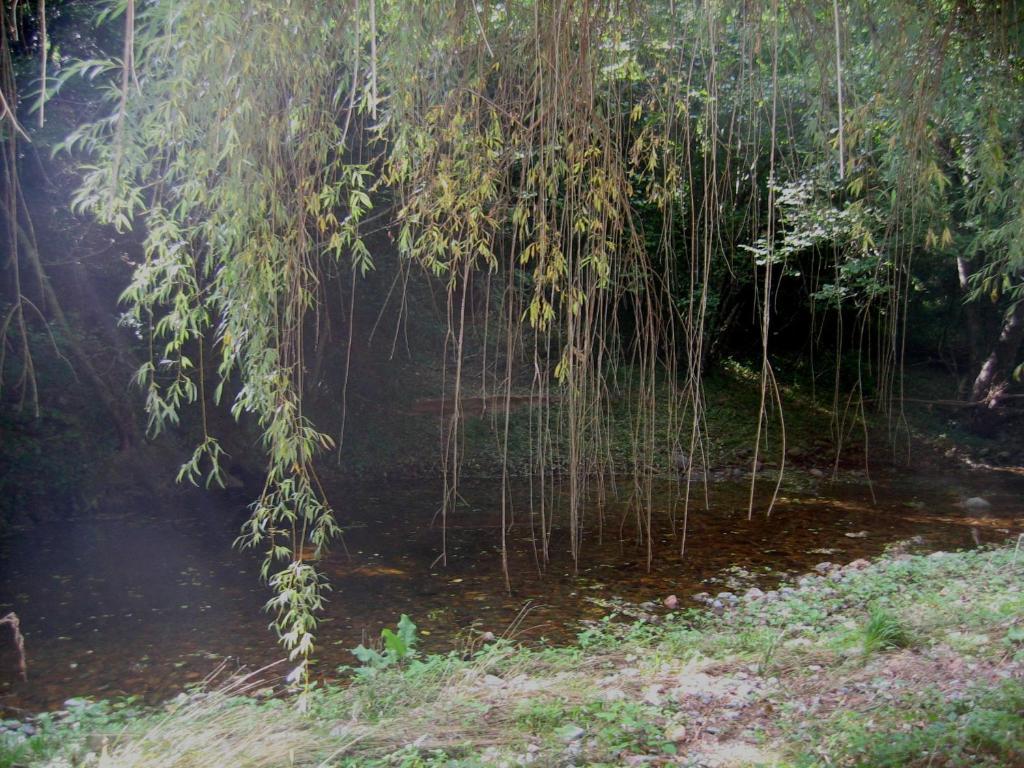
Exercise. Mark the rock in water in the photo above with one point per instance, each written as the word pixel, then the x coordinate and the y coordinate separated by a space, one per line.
pixel 976 504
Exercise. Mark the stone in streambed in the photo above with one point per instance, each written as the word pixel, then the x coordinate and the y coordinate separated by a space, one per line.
pixel 976 504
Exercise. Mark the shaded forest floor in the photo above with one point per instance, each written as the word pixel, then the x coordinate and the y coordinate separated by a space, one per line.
pixel 911 660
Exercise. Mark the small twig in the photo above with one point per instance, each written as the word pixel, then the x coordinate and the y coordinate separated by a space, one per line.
pixel 19 641
pixel 9 113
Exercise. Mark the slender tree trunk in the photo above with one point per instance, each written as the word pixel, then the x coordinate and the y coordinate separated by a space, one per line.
pixel 993 379
pixel 973 320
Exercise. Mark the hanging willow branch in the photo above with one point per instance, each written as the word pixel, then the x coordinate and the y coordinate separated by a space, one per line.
pixel 611 172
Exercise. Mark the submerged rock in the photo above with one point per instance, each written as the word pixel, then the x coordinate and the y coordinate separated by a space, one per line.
pixel 976 504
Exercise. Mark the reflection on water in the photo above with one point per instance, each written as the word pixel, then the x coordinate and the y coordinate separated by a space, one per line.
pixel 143 601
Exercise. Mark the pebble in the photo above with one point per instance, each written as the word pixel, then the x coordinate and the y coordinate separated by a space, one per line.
pixel 753 594
pixel 671 602
pixel 642 759
pixel 676 733
pixel 653 695
pixel 571 733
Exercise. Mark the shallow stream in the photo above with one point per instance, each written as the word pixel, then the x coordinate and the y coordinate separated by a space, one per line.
pixel 145 600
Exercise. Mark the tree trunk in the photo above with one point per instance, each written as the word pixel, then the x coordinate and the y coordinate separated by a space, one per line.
pixel 993 379
pixel 973 320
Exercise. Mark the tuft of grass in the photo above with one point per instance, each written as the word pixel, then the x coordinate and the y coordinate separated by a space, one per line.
pixel 884 631
pixel 225 726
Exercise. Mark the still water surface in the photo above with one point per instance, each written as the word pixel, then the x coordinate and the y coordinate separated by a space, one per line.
pixel 144 600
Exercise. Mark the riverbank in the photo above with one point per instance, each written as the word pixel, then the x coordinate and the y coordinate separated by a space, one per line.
pixel 909 660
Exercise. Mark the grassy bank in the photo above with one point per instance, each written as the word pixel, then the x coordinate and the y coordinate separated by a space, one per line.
pixel 911 660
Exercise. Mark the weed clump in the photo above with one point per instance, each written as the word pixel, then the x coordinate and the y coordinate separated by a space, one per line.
pixel 884 631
